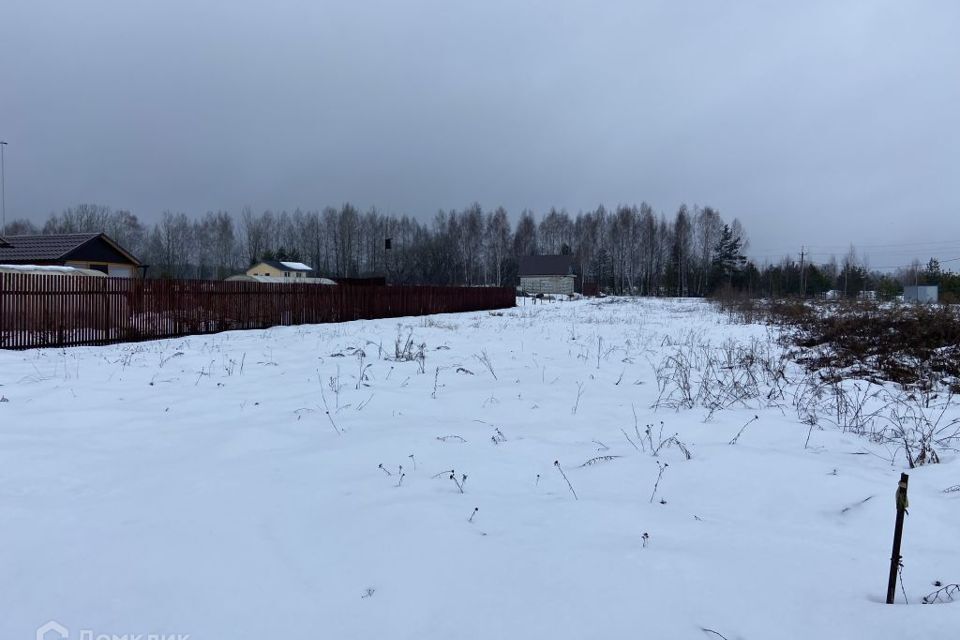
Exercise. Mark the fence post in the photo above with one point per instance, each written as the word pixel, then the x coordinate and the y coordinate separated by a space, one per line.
pixel 902 505
pixel 3 311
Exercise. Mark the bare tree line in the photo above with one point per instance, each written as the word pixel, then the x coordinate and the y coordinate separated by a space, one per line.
pixel 630 249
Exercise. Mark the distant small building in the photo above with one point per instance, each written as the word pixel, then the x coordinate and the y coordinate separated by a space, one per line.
pixel 833 294
pixel 280 269
pixel 867 295
pixel 95 251
pixel 547 274
pixel 921 293
pixel 591 289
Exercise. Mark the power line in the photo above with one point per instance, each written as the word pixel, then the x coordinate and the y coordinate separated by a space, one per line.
pixel 825 257
pixel 833 248
pixel 947 247
pixel 805 254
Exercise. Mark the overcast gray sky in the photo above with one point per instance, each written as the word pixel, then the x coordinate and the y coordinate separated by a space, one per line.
pixel 813 122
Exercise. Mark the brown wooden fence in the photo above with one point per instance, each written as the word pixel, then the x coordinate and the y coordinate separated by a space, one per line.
pixel 56 311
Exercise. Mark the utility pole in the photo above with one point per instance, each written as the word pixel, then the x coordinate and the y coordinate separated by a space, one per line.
pixel 803 273
pixel 387 247
pixel 3 191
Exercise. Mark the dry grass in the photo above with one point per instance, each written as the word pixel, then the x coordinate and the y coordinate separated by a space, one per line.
pixel 915 346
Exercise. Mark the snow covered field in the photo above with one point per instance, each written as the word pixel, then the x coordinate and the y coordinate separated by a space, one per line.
pixel 197 486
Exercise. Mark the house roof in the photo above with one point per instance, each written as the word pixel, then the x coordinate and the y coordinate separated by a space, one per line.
pixel 286 266
pixel 296 266
pixel 52 247
pixel 546 265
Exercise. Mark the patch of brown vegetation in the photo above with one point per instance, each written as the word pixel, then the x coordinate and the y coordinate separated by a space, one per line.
pixel 916 346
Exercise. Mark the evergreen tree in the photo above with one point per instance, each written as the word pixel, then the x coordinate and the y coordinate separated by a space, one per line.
pixel 728 258
pixel 932 273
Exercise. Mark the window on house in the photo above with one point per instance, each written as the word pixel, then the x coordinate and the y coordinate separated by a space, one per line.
pixel 286 274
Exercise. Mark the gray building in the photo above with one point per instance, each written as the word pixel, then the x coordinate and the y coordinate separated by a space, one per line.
pixel 921 293
pixel 547 274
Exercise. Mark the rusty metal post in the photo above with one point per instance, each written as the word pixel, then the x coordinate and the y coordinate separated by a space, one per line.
pixel 902 505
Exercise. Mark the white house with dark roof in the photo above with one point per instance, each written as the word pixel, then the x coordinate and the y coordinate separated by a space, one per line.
pixel 280 269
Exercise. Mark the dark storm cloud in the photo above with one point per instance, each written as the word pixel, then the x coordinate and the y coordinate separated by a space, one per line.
pixel 815 122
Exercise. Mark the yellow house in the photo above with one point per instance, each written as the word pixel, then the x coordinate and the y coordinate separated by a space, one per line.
pixel 280 269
